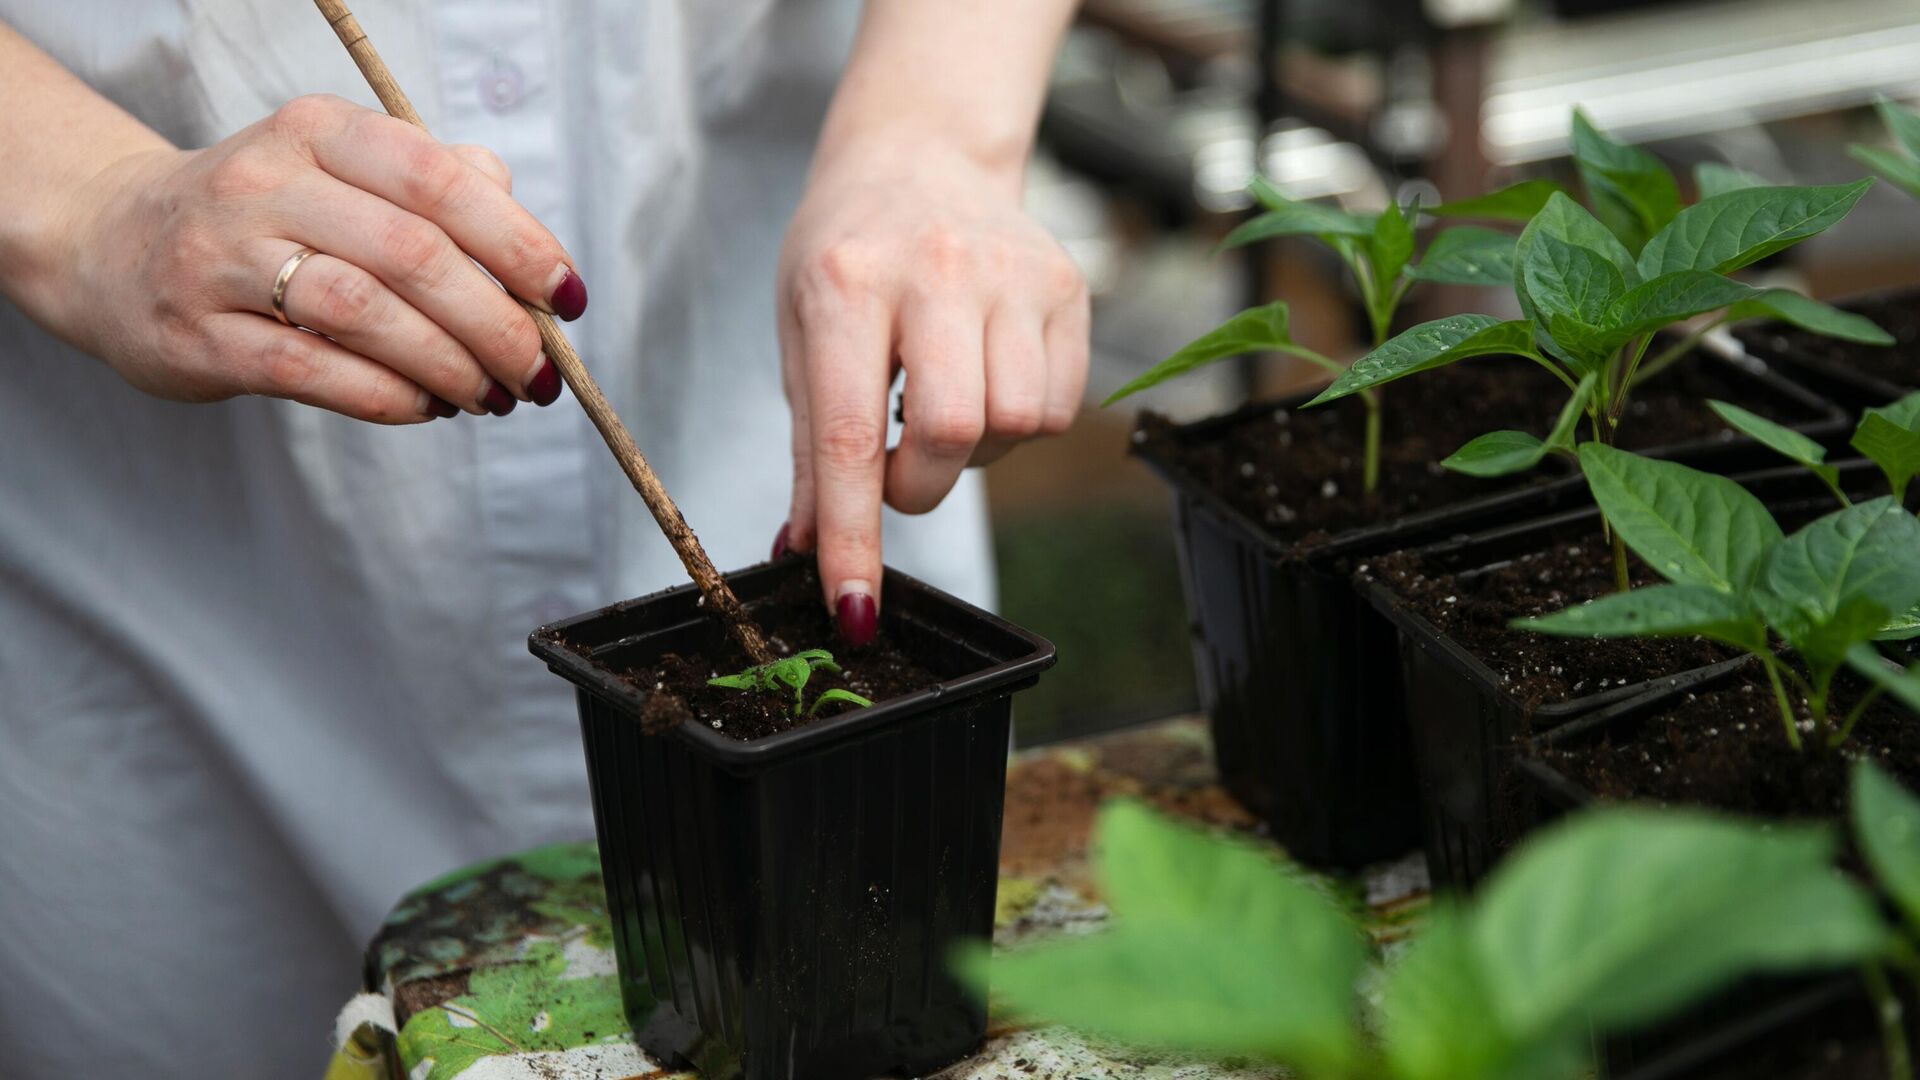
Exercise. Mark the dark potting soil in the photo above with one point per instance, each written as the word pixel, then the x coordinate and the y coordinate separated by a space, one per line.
pixel 1899 363
pixel 1474 609
pixel 1298 471
pixel 1839 1042
pixel 1726 748
pixel 793 619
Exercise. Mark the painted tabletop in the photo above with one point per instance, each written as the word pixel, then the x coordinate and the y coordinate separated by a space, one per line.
pixel 505 970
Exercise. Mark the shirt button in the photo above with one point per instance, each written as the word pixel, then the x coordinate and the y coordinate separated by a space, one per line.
pixel 502 84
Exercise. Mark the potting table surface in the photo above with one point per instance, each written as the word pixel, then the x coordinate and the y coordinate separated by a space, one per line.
pixel 505 969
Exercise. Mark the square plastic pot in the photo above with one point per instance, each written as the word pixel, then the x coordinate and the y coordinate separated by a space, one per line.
pixel 1776 344
pixel 1463 723
pixel 785 907
pixel 1297 672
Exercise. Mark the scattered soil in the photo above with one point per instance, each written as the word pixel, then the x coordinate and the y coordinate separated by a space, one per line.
pixel 1899 363
pixel 1298 471
pixel 1474 607
pixel 794 619
pixel 1725 748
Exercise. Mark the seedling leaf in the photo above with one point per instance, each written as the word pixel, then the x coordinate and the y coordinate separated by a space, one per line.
pixel 1692 528
pixel 1298 219
pixel 1631 191
pixel 1714 178
pixel 1468 255
pixel 1517 202
pixel 1809 314
pixel 1389 249
pixel 1834 583
pixel 1902 123
pixel 1500 453
pixel 1430 345
pixel 1667 299
pixel 1886 818
pixel 1659 611
pixel 1253 330
pixel 1901 172
pixel 1568 222
pixel 1904 685
pixel 747 680
pixel 1739 228
pixel 1889 436
pixel 1784 441
pixel 1620 915
pixel 837 694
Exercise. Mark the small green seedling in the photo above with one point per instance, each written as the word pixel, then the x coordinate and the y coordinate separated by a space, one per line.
pixel 791 673
pixel 1899 167
pixel 1602 923
pixel 1378 250
pixel 1596 289
pixel 1827 591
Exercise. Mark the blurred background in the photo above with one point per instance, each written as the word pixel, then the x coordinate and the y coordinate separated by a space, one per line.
pixel 1161 110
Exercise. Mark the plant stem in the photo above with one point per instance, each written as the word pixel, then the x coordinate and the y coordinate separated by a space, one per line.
pixel 1840 737
pixel 1780 698
pixel 1621 580
pixel 1893 1030
pixel 1673 355
pixel 1370 475
pixel 1834 487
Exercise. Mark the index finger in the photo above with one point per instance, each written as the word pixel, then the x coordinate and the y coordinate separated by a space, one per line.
pixel 409 168
pixel 846 346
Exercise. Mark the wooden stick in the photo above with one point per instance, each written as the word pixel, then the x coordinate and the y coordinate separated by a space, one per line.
pixel 719 597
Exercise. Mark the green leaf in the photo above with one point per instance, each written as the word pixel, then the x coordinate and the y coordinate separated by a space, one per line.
pixel 1739 228
pixel 1901 172
pixel 1902 627
pixel 1784 441
pixel 1215 946
pixel 1631 191
pixel 1904 685
pixel 1810 314
pixel 1833 584
pixel 1620 916
pixel 1889 436
pixel 1714 178
pixel 746 680
pixel 1659 302
pixel 1468 255
pixel 1253 330
pixel 1501 453
pixel 1427 346
pixel 1886 818
pixel 1563 278
pixel 1389 249
pixel 1903 124
pixel 1298 219
pixel 1691 527
pixel 1656 611
pixel 1516 202
pixel 1568 222
pixel 1435 1010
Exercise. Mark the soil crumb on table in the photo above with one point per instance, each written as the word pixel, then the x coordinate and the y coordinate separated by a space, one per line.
pixel 794 619
pixel 1297 472
pixel 1474 608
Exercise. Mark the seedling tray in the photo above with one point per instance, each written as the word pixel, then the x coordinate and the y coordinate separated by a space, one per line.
pixel 1464 724
pixel 784 908
pixel 1297 673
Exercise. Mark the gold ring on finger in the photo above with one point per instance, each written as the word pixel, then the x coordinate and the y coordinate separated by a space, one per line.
pixel 280 285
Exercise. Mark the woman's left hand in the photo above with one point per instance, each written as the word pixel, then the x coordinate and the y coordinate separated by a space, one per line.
pixel 907 257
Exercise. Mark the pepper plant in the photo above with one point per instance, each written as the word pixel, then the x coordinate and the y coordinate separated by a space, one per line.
pixel 1378 252
pixel 1609 299
pixel 1827 591
pixel 1602 923
pixel 792 673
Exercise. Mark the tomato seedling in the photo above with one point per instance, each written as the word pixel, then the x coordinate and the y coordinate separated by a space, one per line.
pixel 792 673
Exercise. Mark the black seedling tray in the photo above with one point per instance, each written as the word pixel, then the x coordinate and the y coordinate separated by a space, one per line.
pixel 784 908
pixel 1776 344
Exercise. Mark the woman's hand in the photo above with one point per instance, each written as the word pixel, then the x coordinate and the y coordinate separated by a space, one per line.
pixel 906 257
pixel 173 256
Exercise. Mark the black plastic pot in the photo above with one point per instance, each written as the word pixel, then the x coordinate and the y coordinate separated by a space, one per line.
pixel 1296 672
pixel 1779 345
pixel 1463 723
pixel 784 908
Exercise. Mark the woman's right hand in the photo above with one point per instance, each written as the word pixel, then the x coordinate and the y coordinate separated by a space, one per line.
pixel 172 255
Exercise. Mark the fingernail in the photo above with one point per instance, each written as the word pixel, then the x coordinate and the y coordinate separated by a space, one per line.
pixel 566 293
pixel 779 542
pixel 497 401
pixel 441 407
pixel 859 619
pixel 544 388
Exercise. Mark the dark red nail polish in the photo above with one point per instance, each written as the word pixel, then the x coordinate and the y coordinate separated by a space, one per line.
pixel 779 543
pixel 544 388
pixel 441 407
pixel 498 401
pixel 858 617
pixel 569 298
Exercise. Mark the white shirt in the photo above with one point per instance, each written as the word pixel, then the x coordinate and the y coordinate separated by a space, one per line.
pixel 263 668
